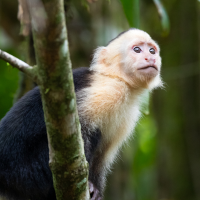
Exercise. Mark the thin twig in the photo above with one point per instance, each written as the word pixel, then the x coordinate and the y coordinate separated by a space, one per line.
pixel 15 62
pixel 19 64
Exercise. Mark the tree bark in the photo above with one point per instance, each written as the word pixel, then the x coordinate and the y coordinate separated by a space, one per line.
pixel 66 153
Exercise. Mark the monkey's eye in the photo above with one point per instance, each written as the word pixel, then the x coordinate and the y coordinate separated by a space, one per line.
pixel 152 51
pixel 137 49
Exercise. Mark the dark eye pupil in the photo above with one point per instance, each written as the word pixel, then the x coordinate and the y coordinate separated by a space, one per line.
pixel 137 49
pixel 152 51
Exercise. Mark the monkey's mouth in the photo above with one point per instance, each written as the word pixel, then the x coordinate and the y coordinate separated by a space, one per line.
pixel 150 70
pixel 151 67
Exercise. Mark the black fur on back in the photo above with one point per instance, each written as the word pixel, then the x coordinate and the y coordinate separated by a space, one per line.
pixel 24 154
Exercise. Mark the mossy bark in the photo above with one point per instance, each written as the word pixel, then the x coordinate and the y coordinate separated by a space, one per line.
pixel 67 160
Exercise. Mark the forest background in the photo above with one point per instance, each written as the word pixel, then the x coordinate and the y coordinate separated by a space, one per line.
pixel 162 162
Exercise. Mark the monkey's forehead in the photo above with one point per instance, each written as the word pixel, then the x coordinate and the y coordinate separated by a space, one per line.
pixel 133 35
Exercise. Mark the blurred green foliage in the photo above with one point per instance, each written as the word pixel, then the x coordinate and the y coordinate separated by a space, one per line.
pixel 8 76
pixel 144 167
pixel 164 16
pixel 132 12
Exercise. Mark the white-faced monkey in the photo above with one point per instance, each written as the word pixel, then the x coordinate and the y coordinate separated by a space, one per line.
pixel 108 98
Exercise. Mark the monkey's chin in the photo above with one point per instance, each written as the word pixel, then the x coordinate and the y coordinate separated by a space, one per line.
pixel 148 71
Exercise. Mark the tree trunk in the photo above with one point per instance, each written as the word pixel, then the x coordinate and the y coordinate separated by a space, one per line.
pixel 67 160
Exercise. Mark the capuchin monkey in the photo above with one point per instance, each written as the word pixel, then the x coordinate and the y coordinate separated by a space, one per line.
pixel 108 98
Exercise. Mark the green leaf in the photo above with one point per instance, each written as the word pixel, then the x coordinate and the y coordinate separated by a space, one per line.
pixel 163 15
pixel 131 9
pixel 145 102
pixel 85 4
pixel 47 90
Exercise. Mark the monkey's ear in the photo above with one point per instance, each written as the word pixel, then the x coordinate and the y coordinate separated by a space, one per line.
pixel 103 56
pixel 100 56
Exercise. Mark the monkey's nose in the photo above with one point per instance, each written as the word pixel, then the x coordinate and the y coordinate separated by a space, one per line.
pixel 151 61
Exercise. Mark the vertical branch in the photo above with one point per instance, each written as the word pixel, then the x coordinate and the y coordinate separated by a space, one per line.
pixel 25 83
pixel 67 160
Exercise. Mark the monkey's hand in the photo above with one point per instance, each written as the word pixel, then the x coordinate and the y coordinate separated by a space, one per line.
pixel 94 192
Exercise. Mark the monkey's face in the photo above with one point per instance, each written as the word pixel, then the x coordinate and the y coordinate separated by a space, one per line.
pixel 145 59
pixel 141 59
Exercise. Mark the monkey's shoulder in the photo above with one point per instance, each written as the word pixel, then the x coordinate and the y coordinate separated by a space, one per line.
pixel 82 78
